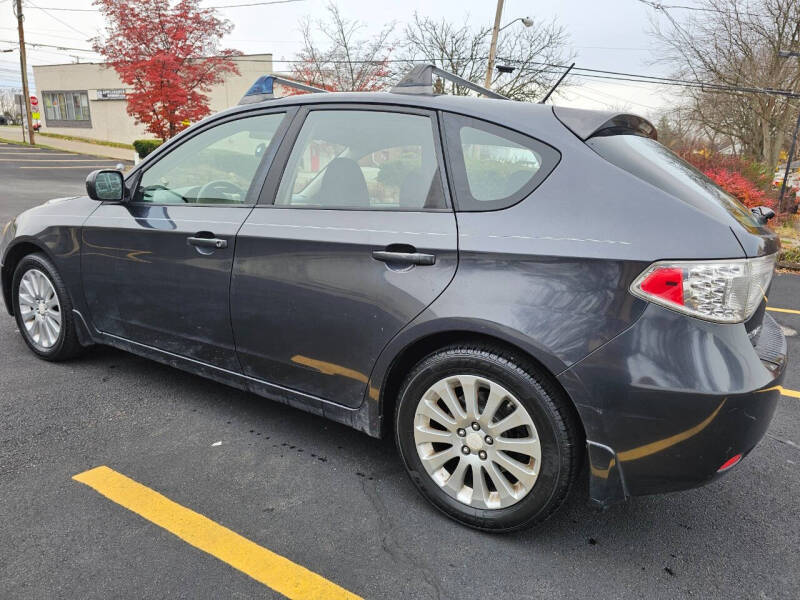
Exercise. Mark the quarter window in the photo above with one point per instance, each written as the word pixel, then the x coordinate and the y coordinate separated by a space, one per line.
pixel 494 167
pixel 362 159
pixel 216 166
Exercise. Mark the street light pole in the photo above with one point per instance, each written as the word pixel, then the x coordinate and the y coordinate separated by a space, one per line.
pixel 493 47
pixel 23 61
pixel 788 164
pixel 791 147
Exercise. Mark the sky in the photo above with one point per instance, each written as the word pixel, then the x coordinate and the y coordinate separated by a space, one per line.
pixel 604 34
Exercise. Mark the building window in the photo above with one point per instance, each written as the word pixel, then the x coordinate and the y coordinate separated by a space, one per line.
pixel 67 109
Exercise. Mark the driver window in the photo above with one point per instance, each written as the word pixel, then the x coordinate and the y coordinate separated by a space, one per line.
pixel 216 166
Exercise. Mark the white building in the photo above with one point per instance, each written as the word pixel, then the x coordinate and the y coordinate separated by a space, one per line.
pixel 88 99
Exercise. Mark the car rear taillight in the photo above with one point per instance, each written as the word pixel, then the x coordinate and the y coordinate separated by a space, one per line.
pixel 726 291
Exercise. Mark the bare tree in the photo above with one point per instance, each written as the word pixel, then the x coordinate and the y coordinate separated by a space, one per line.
pixel 8 108
pixel 736 43
pixel 345 62
pixel 534 52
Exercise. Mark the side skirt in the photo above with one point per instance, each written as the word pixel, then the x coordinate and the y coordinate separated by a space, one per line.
pixel 363 418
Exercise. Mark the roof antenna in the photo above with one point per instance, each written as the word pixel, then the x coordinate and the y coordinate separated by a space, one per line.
pixel 560 79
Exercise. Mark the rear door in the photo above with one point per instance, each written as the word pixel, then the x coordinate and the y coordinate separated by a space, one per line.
pixel 355 238
pixel 156 269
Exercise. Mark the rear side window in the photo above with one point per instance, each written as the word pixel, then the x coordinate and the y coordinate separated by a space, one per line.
pixel 494 167
pixel 363 159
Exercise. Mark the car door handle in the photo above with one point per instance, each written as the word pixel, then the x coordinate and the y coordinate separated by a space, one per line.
pixel 203 242
pixel 410 258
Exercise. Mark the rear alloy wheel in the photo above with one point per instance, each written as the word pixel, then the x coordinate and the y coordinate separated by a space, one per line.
pixel 488 439
pixel 477 441
pixel 43 309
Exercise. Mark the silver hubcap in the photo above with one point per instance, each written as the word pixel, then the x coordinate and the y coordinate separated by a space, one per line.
pixel 39 309
pixel 477 442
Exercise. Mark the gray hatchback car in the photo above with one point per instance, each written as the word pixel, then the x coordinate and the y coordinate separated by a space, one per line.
pixel 508 289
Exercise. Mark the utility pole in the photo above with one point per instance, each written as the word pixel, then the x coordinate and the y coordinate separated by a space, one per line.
pixel 23 61
pixel 493 48
pixel 792 146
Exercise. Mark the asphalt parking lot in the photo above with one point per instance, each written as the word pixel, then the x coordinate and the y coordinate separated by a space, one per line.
pixel 333 505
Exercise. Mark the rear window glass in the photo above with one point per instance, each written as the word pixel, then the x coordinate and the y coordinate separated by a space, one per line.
pixel 494 167
pixel 656 164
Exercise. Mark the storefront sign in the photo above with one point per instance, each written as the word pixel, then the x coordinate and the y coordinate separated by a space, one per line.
pixel 115 94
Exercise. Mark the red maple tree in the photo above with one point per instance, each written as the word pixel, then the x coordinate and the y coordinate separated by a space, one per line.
pixel 169 56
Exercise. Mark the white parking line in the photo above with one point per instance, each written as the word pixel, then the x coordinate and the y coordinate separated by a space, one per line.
pixel 110 166
pixel 54 160
pixel 45 154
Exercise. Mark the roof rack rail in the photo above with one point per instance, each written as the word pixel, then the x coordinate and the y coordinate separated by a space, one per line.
pixel 419 81
pixel 263 88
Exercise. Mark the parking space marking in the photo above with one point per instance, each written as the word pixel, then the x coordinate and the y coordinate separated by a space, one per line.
pixel 73 167
pixel 3 153
pixel 790 393
pixel 53 160
pixel 275 571
pixel 784 310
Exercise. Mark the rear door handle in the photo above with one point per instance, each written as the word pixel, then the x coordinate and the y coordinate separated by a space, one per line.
pixel 409 258
pixel 204 242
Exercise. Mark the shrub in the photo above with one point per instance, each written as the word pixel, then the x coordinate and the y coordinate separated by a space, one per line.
pixel 145 147
pixel 394 172
pixel 790 255
pixel 740 187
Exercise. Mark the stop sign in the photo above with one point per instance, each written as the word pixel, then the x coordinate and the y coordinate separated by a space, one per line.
pixel 34 101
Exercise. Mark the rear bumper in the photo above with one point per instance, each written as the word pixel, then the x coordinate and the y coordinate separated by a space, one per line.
pixel 670 400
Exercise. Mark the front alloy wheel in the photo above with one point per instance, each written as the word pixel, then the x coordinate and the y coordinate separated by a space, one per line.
pixel 39 309
pixel 43 309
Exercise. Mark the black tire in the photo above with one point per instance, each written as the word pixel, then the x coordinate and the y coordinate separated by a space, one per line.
pixel 557 425
pixel 66 345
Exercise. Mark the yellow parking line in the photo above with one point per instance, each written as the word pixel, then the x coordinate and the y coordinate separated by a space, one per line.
pixel 784 310
pixel 273 570
pixel 790 393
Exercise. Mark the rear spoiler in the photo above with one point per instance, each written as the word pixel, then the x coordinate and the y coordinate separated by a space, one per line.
pixel 592 123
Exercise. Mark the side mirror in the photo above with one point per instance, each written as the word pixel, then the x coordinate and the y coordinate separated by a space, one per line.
pixel 105 184
pixel 763 213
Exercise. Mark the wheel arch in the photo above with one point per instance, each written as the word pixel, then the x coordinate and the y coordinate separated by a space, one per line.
pixel 415 350
pixel 14 255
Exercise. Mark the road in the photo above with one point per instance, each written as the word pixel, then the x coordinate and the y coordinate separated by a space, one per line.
pixel 327 498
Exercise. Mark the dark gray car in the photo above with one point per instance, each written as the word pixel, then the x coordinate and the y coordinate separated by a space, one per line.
pixel 507 288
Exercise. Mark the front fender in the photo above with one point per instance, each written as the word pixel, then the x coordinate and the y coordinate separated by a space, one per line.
pixel 53 228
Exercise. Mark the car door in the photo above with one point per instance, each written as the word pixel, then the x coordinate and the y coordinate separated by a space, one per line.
pixel 356 236
pixel 156 269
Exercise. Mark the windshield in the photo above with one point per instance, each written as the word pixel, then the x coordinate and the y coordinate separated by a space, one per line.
pixel 656 164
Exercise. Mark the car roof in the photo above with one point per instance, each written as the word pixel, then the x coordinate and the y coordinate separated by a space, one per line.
pixel 584 123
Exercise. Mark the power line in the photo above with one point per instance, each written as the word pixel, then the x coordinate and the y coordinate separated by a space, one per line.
pixel 586 72
pixel 245 5
pixel 64 23
pixel 664 7
pixel 36 44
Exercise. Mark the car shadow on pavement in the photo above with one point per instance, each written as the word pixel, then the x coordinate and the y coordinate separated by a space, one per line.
pixel 698 532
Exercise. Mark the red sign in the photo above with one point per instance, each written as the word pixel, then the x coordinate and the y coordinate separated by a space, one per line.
pixel 34 101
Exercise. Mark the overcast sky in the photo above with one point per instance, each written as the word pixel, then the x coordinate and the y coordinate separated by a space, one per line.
pixel 605 34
